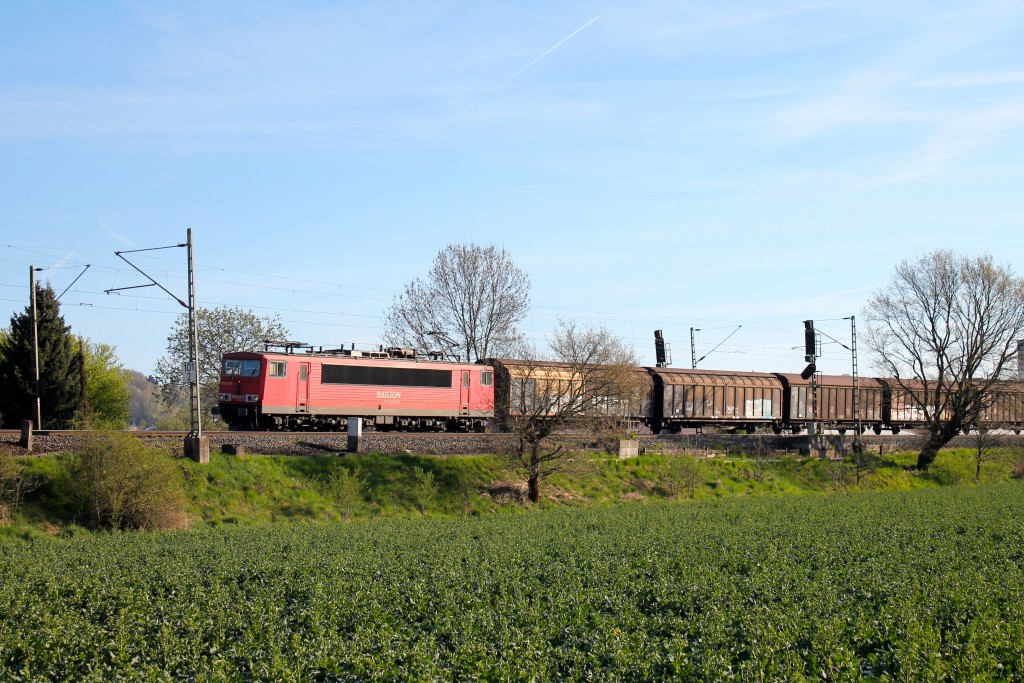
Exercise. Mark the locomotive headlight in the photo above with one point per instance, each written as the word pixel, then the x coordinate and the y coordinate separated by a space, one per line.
pixel 225 397
pixel 251 398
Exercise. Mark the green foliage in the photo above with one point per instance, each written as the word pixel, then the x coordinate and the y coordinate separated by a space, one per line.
pixel 14 484
pixel 173 416
pixel 683 474
pixel 107 383
pixel 925 585
pixel 422 488
pixel 60 369
pixel 262 489
pixel 121 483
pixel 952 471
pixel 864 462
pixel 346 490
pixel 841 474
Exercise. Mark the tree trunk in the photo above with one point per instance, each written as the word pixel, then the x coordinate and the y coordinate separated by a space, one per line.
pixel 936 440
pixel 533 483
pixel 927 455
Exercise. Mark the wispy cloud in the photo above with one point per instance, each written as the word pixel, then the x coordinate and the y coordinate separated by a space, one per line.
pixel 63 260
pixel 114 233
pixel 882 90
pixel 973 79
pixel 899 89
pixel 958 138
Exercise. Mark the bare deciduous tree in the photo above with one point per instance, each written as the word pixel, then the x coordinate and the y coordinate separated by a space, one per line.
pixel 945 329
pixel 986 443
pixel 586 385
pixel 864 462
pixel 469 303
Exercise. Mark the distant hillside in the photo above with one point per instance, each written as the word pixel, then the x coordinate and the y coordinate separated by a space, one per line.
pixel 144 405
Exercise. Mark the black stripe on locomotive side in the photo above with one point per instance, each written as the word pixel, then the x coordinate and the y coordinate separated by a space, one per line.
pixel 389 377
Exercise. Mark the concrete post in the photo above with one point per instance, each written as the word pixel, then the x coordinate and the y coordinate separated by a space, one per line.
pixel 26 435
pixel 355 433
pixel 197 448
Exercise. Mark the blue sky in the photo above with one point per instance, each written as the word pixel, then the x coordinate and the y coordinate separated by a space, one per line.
pixel 651 165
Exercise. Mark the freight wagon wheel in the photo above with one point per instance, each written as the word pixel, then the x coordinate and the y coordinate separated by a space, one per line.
pixel 895 430
pixel 842 430
pixel 777 429
pixel 966 430
pixel 877 429
pixel 1017 432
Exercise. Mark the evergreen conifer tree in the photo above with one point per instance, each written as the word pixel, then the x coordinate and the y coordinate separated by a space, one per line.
pixel 60 369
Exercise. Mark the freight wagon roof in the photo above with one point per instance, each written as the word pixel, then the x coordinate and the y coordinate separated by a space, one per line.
pixel 540 368
pixel 525 362
pixel 539 364
pixel 716 377
pixel 796 380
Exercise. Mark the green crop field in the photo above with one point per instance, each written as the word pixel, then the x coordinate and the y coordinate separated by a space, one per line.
pixel 920 585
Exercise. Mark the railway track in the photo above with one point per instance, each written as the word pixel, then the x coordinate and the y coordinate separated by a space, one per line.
pixel 455 444
pixel 227 435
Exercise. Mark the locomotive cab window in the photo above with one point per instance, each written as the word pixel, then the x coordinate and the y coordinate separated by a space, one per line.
pixel 278 368
pixel 486 378
pixel 241 368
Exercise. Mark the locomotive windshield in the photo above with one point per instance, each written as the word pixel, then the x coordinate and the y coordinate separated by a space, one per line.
pixel 241 368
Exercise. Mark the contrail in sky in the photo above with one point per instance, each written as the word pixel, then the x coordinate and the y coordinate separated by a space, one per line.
pixel 113 233
pixel 64 259
pixel 537 59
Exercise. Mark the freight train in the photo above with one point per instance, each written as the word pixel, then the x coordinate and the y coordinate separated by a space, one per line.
pixel 298 388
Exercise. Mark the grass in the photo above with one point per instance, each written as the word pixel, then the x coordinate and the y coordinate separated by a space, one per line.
pixel 266 489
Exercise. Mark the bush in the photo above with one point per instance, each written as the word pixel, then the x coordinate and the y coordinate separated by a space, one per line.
pixel 422 489
pixel 840 474
pixel 345 489
pixel 14 484
pixel 121 483
pixel 682 475
pixel 1018 464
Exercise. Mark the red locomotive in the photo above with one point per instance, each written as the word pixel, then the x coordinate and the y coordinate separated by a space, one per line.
pixel 392 389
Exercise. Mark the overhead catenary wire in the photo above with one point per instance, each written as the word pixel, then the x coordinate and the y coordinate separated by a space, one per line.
pixel 332 313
